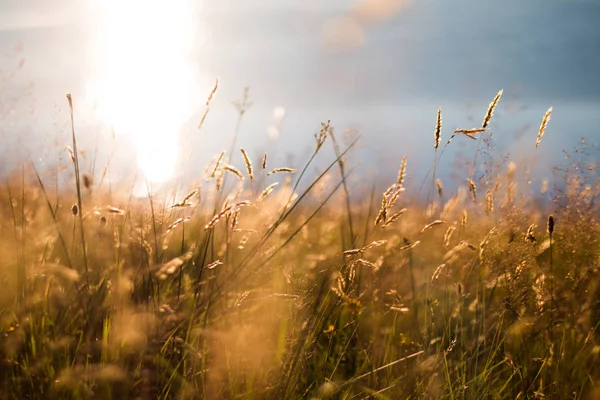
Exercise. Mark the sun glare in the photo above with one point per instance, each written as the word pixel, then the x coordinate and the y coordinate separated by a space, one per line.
pixel 144 83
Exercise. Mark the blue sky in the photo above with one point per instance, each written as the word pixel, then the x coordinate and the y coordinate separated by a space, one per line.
pixel 453 53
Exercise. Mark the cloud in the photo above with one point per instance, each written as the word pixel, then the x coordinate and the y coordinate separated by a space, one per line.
pixel 348 32
pixel 375 11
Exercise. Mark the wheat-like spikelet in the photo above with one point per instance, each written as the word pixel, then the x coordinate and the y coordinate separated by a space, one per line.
pixel 267 191
pixel 464 218
pixel 491 108
pixel 394 218
pixel 208 101
pixel 440 188
pixel 186 200
pixel 432 224
pixel 213 92
pixel 374 244
pixel 367 263
pixel 353 252
pixel 489 202
pixel 409 245
pixel 437 272
pixel 214 264
pixel 470 133
pixel 394 197
pixel 448 234
pixel 437 135
pixel 235 220
pixel 234 170
pixel 322 136
pixel 484 243
pixel 382 215
pixel 176 223
pixel 248 164
pixel 543 125
pixel 389 190
pixel 473 190
pixel 264 161
pixel 218 164
pixel 530 235
pixel 402 172
pixel 282 170
pixel 225 210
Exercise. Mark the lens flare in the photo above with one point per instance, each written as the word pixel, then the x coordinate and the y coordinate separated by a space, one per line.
pixel 144 83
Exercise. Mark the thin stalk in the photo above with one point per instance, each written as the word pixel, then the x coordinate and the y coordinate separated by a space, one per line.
pixel 78 184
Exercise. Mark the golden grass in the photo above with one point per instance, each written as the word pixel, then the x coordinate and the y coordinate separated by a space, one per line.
pixel 224 292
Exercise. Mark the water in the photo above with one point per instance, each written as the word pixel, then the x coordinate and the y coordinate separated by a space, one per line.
pixel 385 76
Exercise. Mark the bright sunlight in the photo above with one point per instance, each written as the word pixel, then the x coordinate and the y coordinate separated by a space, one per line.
pixel 144 84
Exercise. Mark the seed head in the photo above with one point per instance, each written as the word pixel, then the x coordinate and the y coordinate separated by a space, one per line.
pixel 490 111
pixel 543 126
pixel 87 181
pixel 437 135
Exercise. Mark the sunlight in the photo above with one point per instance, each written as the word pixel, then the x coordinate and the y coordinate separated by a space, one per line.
pixel 144 82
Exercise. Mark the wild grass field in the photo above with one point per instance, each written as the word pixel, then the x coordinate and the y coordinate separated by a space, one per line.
pixel 265 282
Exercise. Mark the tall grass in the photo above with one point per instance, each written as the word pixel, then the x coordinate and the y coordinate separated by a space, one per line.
pixel 261 290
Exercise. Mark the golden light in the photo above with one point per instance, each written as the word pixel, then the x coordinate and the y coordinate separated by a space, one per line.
pixel 144 84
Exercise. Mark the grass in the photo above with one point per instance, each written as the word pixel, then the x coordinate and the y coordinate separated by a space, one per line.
pixel 260 289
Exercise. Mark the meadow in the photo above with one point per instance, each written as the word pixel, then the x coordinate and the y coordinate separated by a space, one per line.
pixel 265 281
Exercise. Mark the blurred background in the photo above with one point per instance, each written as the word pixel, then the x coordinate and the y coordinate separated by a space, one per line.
pixel 140 73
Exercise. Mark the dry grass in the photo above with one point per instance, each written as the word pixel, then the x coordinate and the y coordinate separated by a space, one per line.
pixel 229 293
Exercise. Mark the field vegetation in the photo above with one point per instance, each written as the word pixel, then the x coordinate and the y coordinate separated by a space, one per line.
pixel 265 281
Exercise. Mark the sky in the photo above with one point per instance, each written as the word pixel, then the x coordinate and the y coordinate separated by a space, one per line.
pixel 381 67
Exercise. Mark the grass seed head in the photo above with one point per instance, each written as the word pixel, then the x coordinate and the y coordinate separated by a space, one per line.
pixel 282 170
pixel 490 112
pixel 543 126
pixel 248 164
pixel 87 181
pixel 267 191
pixel 234 170
pixel 437 135
pixel 218 164
pixel 464 219
pixel 489 202
pixel 402 172
pixel 473 190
